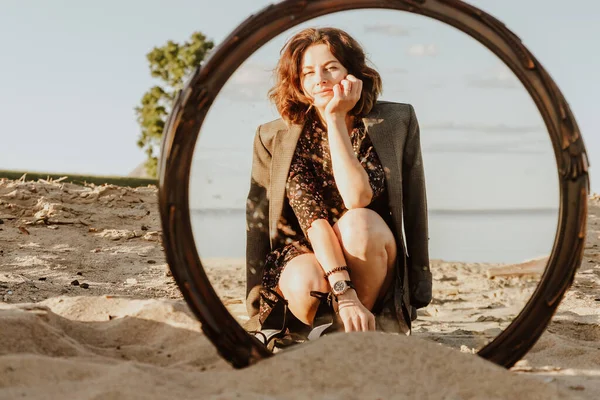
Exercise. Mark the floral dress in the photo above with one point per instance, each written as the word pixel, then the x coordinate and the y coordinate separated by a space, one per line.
pixel 313 194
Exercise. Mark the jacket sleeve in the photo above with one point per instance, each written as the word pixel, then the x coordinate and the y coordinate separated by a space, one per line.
pixel 415 217
pixel 257 223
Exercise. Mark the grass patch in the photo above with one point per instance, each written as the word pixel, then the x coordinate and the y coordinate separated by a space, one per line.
pixel 80 179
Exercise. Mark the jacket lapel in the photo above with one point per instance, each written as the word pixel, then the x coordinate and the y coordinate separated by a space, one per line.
pixel 385 143
pixel 283 152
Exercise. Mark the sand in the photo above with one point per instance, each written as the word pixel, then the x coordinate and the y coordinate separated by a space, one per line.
pixel 123 331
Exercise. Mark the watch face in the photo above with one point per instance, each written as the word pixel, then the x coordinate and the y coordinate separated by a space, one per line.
pixel 339 286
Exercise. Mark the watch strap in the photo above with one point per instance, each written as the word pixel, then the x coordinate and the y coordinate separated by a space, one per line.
pixel 348 285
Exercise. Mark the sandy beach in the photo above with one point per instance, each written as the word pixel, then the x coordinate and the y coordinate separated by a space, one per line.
pixel 88 310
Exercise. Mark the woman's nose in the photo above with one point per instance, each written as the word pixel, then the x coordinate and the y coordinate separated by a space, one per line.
pixel 320 76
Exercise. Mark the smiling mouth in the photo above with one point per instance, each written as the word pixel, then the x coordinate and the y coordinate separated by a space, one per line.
pixel 325 91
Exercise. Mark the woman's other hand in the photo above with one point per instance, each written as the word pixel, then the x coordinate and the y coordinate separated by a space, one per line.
pixel 354 315
pixel 345 96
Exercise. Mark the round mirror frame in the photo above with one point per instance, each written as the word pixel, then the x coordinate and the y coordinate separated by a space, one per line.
pixel 193 102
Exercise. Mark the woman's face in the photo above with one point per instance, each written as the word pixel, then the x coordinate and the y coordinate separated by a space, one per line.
pixel 320 71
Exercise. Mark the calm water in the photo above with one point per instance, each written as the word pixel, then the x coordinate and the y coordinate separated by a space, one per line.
pixel 470 236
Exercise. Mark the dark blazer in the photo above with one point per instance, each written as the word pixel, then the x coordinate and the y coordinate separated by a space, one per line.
pixel 394 132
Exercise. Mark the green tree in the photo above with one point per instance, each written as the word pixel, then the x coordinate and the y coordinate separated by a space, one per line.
pixel 171 64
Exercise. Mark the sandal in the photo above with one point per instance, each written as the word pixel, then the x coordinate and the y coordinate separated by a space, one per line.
pixel 276 323
pixel 325 321
pixel 275 333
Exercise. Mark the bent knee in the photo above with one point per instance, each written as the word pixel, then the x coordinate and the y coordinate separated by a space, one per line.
pixel 301 275
pixel 362 231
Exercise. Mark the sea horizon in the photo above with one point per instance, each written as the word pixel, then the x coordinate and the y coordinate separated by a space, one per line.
pixel 507 235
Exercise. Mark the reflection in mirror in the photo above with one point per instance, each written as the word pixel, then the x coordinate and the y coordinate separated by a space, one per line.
pixel 491 181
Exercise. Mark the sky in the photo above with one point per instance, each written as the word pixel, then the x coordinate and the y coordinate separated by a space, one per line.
pixel 73 71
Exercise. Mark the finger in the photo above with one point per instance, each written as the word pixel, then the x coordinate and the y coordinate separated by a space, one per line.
pixel 369 323
pixel 357 88
pixel 347 86
pixel 372 323
pixel 354 81
pixel 337 90
pixel 364 323
pixel 348 325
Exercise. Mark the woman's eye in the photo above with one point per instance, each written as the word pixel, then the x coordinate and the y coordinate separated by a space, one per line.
pixel 307 73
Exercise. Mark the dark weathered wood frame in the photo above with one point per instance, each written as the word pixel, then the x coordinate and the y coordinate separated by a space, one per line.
pixel 194 101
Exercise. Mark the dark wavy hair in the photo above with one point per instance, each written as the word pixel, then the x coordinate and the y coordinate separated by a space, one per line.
pixel 286 94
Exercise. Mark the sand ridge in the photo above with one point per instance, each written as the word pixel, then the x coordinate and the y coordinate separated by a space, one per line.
pixel 129 334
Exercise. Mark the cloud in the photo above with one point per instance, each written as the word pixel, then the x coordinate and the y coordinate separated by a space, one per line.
pixel 482 128
pixel 387 30
pixel 245 93
pixel 250 82
pixel 497 78
pixel 252 74
pixel 422 50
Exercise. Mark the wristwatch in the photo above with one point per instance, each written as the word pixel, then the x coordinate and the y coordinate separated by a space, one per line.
pixel 341 287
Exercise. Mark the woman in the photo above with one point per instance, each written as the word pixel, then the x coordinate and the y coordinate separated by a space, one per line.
pixel 333 182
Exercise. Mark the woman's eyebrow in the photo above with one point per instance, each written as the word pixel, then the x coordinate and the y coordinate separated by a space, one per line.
pixel 326 64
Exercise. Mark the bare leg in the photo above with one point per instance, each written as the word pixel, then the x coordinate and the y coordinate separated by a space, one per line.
pixel 369 248
pixel 301 275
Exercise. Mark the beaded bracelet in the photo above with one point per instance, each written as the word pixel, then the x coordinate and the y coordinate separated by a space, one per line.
pixel 337 269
